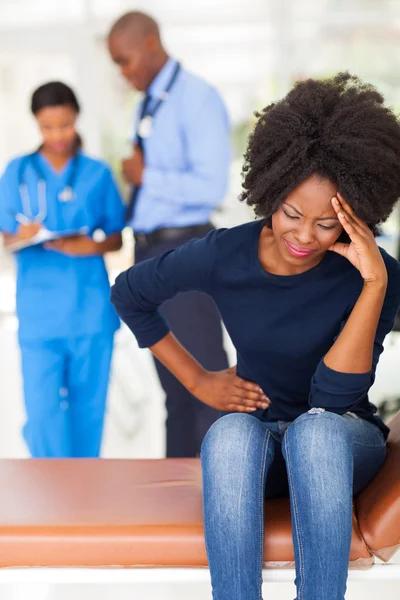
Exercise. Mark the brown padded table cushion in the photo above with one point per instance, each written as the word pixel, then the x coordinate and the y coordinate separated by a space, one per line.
pixel 378 506
pixel 117 512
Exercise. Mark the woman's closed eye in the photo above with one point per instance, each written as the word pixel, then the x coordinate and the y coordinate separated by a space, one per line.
pixel 324 227
pixel 290 216
pixel 327 227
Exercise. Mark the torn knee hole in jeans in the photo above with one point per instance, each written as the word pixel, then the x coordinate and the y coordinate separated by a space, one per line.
pixel 351 414
pixel 318 411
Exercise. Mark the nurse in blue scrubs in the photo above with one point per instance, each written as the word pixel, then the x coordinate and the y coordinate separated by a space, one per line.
pixel 66 322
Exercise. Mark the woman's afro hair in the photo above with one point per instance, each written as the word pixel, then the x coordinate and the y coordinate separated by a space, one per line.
pixel 336 128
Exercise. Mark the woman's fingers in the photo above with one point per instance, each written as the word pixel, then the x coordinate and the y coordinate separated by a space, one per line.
pixel 245 396
pixel 244 407
pixel 248 398
pixel 246 390
pixel 346 224
pixel 239 408
pixel 247 403
pixel 351 215
pixel 55 244
pixel 345 206
pixel 347 221
pixel 343 202
pixel 339 248
pixel 242 384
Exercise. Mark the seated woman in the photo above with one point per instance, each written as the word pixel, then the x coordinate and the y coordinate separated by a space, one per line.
pixel 307 297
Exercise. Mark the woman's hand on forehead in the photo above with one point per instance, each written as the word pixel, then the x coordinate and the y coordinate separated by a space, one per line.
pixel 363 251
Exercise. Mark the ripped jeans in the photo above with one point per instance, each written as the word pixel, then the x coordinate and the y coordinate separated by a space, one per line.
pixel 321 459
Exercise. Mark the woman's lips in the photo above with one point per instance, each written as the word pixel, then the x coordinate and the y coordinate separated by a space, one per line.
pixel 60 147
pixel 298 251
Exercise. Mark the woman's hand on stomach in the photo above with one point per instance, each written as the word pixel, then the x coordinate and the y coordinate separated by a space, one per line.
pixel 225 391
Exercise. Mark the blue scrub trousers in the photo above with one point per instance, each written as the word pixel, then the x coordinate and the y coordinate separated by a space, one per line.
pixel 65 389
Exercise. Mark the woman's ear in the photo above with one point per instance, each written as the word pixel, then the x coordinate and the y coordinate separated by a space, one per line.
pixel 268 222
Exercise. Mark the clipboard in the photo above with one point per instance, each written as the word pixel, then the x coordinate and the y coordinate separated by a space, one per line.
pixel 43 235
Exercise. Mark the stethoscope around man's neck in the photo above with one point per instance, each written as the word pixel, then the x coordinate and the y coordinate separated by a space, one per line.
pixel 65 195
pixel 145 126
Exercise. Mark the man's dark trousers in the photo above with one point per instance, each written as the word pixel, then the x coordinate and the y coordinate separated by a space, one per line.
pixel 195 321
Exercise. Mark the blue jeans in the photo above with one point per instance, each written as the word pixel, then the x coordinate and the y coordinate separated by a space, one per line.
pixel 321 459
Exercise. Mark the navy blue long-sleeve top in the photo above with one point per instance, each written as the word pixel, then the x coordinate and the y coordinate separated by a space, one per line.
pixel 281 325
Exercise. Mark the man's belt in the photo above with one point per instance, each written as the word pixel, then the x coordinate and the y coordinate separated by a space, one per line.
pixel 169 234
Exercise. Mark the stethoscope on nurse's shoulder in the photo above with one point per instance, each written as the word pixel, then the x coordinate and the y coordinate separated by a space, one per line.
pixel 65 195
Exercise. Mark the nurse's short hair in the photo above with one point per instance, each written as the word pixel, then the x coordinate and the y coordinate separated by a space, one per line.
pixel 336 128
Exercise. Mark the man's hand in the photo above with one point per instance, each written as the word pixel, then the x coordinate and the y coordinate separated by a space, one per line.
pixel 133 167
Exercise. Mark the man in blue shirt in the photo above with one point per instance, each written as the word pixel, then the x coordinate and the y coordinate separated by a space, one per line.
pixel 179 174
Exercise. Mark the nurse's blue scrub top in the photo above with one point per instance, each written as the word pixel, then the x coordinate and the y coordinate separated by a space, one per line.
pixel 60 296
